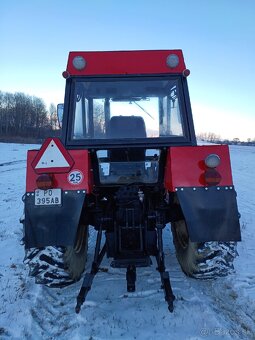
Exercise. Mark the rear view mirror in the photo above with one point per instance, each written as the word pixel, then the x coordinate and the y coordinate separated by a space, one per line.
pixel 60 111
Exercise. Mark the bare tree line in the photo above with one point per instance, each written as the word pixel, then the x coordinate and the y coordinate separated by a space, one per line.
pixel 25 116
pixel 214 138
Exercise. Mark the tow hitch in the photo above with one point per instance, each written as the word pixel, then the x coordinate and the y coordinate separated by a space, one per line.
pixel 130 265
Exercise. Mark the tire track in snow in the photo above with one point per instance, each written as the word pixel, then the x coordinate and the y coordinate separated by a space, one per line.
pixel 12 166
pixel 229 303
pixel 53 314
pixel 13 162
pixel 223 299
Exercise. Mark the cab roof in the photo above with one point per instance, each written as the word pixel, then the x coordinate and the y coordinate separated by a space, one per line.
pixel 125 62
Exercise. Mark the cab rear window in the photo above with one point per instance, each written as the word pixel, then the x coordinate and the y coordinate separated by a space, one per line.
pixel 127 108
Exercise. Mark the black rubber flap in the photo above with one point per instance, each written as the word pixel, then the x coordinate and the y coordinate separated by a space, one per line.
pixel 211 214
pixel 53 225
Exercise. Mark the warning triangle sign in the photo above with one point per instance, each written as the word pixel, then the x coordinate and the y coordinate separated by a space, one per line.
pixel 52 157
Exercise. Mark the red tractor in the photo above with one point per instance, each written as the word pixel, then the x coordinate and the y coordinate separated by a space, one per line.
pixel 128 164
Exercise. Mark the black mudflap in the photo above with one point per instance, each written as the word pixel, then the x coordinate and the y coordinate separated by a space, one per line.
pixel 210 213
pixel 52 225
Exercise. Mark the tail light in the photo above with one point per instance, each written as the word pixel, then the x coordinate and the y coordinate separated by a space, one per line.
pixel 211 175
pixel 45 182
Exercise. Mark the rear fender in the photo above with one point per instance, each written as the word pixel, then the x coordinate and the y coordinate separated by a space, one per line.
pixel 210 215
pixel 56 225
pixel 210 212
pixel 53 226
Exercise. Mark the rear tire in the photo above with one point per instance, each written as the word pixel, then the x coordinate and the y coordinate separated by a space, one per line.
pixel 59 266
pixel 207 260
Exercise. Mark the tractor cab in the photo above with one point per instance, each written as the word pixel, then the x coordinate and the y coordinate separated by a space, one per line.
pixel 126 120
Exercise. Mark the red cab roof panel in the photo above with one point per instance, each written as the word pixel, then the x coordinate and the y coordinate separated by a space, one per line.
pixel 126 62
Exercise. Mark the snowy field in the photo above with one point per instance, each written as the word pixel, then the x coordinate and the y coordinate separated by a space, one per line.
pixel 221 309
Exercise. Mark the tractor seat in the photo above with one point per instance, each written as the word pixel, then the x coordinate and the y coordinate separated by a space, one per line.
pixel 127 127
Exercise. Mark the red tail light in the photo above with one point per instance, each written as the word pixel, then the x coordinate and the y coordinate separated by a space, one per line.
pixel 212 177
pixel 45 182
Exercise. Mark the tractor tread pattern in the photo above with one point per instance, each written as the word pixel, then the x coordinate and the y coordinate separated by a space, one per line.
pixel 48 267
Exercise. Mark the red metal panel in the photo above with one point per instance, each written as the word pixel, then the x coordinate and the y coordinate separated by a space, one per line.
pixel 62 180
pixel 125 62
pixel 185 166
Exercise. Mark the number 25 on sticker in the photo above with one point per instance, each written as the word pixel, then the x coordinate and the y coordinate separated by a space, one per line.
pixel 75 177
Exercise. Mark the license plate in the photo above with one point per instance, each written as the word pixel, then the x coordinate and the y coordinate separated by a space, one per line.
pixel 48 197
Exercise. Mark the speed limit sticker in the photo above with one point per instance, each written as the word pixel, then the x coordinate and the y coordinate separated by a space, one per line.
pixel 75 177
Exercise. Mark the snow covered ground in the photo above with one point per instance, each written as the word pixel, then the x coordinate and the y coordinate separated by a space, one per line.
pixel 221 309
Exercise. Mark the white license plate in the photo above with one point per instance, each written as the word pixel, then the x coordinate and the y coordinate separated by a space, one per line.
pixel 48 197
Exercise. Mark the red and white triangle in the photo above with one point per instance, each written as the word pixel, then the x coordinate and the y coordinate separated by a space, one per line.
pixel 52 157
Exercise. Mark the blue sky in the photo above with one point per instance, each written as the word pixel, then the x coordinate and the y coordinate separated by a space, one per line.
pixel 217 38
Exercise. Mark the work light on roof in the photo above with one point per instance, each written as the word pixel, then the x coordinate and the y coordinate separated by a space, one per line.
pixel 172 60
pixel 79 62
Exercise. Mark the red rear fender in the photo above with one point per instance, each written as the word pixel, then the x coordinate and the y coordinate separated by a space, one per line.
pixel 185 166
pixel 78 177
